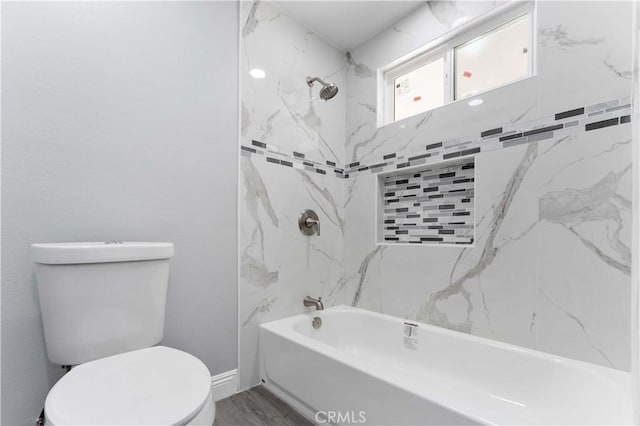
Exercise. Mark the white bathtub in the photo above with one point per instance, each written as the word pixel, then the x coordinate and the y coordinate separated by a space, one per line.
pixel 356 367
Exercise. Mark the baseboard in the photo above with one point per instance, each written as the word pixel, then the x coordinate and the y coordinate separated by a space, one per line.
pixel 224 384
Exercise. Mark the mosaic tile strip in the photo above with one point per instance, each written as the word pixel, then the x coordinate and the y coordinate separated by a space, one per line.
pixel 433 205
pixel 294 159
pixel 564 123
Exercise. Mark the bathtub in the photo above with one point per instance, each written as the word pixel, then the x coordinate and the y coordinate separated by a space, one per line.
pixel 362 367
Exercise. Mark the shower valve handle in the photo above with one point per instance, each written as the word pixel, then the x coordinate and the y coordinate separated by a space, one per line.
pixel 309 223
pixel 313 224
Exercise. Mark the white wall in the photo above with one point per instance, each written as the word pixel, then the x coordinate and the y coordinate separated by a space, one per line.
pixel 119 123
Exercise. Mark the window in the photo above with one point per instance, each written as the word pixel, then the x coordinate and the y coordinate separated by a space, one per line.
pixel 493 59
pixel 490 51
pixel 419 90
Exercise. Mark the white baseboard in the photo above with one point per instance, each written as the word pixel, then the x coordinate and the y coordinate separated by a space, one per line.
pixel 224 384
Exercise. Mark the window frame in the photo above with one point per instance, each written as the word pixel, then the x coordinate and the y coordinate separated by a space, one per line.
pixel 444 46
pixel 414 64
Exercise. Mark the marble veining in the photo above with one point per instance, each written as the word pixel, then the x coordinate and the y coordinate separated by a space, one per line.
pixel 559 38
pixel 293 130
pixel 252 21
pixel 256 194
pixel 359 70
pixel 262 307
pixel 255 271
pixel 626 74
pixel 429 311
pixel 309 124
pixel 425 119
pixel 516 132
pixel 332 211
pixel 267 127
pixel 580 324
pixel 601 202
pixel 364 144
pixel 446 12
pixel 401 31
pixel 550 265
pixel 362 273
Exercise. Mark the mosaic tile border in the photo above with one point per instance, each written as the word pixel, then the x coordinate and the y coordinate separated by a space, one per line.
pixel 272 154
pixel 583 119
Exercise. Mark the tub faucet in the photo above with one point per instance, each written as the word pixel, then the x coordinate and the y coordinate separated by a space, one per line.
pixel 310 301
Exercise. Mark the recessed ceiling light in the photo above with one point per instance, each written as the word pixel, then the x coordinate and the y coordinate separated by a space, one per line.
pixel 475 102
pixel 257 73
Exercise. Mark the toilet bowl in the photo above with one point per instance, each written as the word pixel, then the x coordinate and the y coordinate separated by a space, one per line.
pixel 151 386
pixel 103 309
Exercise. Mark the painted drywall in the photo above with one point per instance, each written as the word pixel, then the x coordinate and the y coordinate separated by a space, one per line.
pixel 119 123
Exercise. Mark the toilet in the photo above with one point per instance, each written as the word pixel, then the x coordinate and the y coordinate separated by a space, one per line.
pixel 103 308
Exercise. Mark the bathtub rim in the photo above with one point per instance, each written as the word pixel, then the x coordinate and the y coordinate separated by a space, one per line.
pixel 273 326
pixel 284 329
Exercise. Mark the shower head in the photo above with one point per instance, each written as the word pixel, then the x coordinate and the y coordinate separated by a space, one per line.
pixel 328 91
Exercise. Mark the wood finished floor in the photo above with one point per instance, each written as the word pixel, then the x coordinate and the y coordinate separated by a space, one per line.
pixel 257 407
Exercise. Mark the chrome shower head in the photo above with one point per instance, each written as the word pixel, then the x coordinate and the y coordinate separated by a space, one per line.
pixel 328 91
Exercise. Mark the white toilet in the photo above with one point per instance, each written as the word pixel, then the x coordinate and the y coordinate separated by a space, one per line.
pixel 103 307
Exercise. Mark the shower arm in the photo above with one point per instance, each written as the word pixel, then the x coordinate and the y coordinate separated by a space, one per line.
pixel 311 80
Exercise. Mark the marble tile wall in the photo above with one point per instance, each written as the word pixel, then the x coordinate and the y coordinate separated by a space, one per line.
pixel 550 267
pixel 635 247
pixel 279 265
pixel 550 264
pixel 281 109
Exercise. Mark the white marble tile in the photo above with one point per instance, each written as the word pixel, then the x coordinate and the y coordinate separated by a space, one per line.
pixel 281 109
pixel 583 303
pixel 550 264
pixel 502 287
pixel 635 241
pixel 583 53
pixel 279 265
pixel 585 257
pixel 365 140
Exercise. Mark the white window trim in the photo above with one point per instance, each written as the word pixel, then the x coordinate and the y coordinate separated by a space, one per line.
pixel 444 46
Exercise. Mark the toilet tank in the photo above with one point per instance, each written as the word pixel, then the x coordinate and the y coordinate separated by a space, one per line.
pixel 101 299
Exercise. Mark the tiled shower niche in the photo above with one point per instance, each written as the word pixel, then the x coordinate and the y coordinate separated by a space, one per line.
pixel 432 205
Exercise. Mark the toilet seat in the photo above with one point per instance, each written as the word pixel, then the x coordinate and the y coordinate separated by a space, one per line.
pixel 151 386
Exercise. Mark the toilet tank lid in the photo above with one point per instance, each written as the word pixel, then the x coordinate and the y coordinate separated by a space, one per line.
pixel 151 386
pixel 100 252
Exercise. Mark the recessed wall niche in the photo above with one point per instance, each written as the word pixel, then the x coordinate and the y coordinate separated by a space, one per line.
pixel 429 205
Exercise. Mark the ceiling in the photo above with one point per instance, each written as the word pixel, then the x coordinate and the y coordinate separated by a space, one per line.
pixel 347 24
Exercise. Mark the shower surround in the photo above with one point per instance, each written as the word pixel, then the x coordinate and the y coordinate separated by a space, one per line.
pixel 550 264
pixel 278 265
